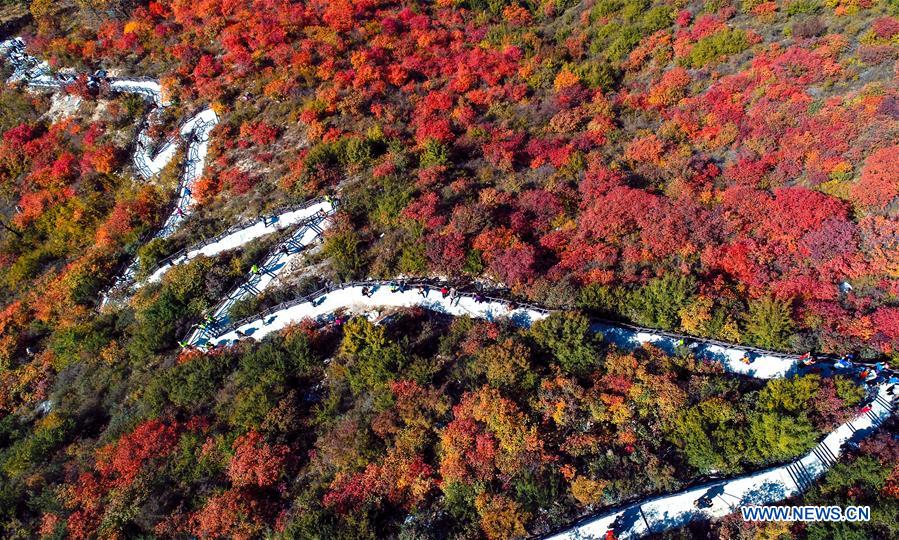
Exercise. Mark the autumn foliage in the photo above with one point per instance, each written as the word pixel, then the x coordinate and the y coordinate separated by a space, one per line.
pixel 727 170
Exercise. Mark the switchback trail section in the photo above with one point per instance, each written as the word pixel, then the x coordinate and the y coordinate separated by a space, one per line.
pixel 262 276
pixel 148 158
pixel 243 234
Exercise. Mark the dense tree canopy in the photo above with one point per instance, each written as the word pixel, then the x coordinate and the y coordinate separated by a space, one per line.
pixel 725 169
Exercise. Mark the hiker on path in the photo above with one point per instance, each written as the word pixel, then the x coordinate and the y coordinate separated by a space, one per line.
pixel 444 291
pixel 285 250
pixel 366 292
pixel 842 363
pixel 616 523
pixel 423 291
pixel 255 270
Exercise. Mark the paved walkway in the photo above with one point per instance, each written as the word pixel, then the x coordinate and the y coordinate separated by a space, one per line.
pixel 275 264
pixel 245 234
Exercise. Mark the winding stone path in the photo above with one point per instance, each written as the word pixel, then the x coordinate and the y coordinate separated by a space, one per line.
pixel 148 162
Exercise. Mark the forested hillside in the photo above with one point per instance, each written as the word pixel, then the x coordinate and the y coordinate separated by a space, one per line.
pixel 721 159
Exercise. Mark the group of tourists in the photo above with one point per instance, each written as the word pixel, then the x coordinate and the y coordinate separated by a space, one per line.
pixel 446 291
pixel 868 373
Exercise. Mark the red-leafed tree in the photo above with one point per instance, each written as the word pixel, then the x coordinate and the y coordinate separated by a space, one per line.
pixel 255 462
pixel 120 463
pixel 878 185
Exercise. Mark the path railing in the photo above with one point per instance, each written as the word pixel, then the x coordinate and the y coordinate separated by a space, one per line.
pixel 500 296
pixel 429 285
pixel 237 227
pixel 248 289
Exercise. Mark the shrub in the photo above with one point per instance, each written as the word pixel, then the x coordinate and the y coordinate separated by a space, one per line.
pixel 150 254
pixel 604 8
pixel 356 152
pixel 276 360
pixel 182 298
pixel 748 5
pixel 343 250
pixel 474 262
pixel 33 450
pixel 809 28
pixel 191 385
pixel 85 285
pixel 389 204
pixel 706 434
pixel 769 323
pixel 507 365
pixel 320 155
pixel 602 299
pixel 772 437
pixel 848 391
pixel 244 308
pixel 598 74
pixel 80 342
pixel 789 396
pixel 567 336
pixel 656 18
pixel 250 407
pixel 623 43
pixel 372 359
pixel 798 7
pixel 433 154
pixel 658 302
pixel 413 260
pixel 711 48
